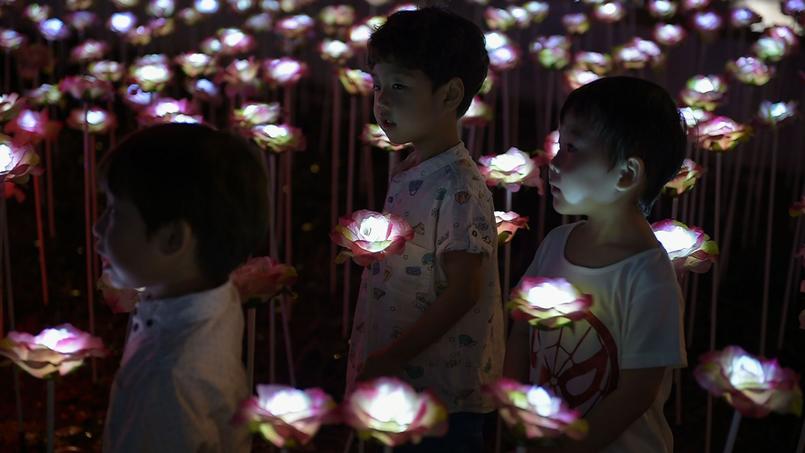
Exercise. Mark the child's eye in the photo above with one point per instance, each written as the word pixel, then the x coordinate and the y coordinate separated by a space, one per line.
pixel 398 86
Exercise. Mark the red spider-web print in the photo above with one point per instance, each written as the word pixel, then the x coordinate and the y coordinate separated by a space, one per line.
pixel 579 362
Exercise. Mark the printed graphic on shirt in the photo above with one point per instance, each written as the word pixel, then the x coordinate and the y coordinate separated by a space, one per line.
pixel 579 361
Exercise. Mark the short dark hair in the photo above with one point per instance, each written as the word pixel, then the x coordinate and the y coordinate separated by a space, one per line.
pixel 436 41
pixel 633 118
pixel 213 180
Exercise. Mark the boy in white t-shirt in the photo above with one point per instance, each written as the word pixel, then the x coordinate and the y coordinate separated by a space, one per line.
pixel 186 204
pixel 621 140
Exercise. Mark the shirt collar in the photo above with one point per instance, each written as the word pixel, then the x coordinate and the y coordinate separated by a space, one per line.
pixel 433 164
pixel 189 308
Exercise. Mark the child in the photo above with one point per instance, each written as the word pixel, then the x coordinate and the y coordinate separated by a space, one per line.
pixel 185 205
pixel 432 315
pixel 621 140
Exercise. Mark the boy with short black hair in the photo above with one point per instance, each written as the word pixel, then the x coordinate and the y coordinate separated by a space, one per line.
pixel 621 140
pixel 432 315
pixel 186 205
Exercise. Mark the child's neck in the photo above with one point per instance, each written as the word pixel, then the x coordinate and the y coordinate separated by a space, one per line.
pixel 443 137
pixel 609 237
pixel 180 288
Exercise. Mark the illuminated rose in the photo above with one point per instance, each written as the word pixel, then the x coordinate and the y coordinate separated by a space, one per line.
pixel 374 135
pixel 721 134
pixel 54 29
pixel 534 412
pixel 392 412
pixel 278 138
pixel 234 41
pixel 753 386
pixel 251 114
pixel 258 23
pixel 240 73
pixel 550 148
pixel 119 300
pixel 98 120
pixel 285 416
pixel 552 52
pixel 196 64
pixel 86 88
pixel 106 70
pixel 512 169
pixel 206 7
pixel 359 34
pixel 139 36
pixel 151 72
pixel 89 50
pixel 690 5
pixel 498 18
pixel 609 12
pixel 770 49
pixel 32 127
pixel 669 35
pixel 750 70
pixel 548 302
pixel 168 110
pixel 263 277
pixel 283 71
pixel 694 116
pixel 537 10
pixel 370 236
pixel 294 27
pixel 10 104
pixel 707 22
pixel 122 22
pixel 706 92
pixel 575 78
pixel 599 63
pixel 55 350
pixel 43 95
pixel 522 17
pixel 37 13
pixel 662 9
pixel 335 18
pixel 507 224
pixel 355 81
pixel 688 248
pixel 478 114
pixel 743 17
pixel 576 23
pixel 776 113
pixel 17 160
pixel 335 51
pixel 685 179
pixel 10 39
pixel 161 8
pixel 204 89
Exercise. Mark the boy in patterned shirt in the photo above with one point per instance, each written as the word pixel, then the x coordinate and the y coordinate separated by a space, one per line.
pixel 432 315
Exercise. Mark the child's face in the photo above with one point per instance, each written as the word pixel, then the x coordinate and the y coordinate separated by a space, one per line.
pixel 405 104
pixel 581 177
pixel 130 257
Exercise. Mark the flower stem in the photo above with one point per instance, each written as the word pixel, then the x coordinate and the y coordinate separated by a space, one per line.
pixel 51 390
pixel 736 421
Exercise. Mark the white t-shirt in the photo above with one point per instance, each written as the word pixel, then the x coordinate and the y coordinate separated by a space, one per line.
pixel 181 378
pixel 449 207
pixel 635 322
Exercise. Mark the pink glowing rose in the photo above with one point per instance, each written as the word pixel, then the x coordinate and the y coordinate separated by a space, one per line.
pixel 478 114
pixel 534 412
pixel 196 64
pixel 86 88
pixel 370 236
pixel 392 412
pixel 685 179
pixel 59 349
pixel 548 302
pixel 776 113
pixel 706 92
pixel 10 104
pixel 294 27
pixel 286 416
pixel 263 277
pixel 335 51
pixel 669 35
pixel 283 71
pixel 151 72
pixel 374 135
pixel 97 120
pixel 689 249
pixel 753 386
pixel 17 160
pixel 11 39
pixel 31 126
pixel 89 50
pixel 750 70
pixel 278 138
pixel 721 134
pixel 356 82
pixel 512 169
pixel 552 52
pixel 507 224
pixel 550 148
pixel 251 114
pixel 119 300
pixel 169 110
pixel 336 18
pixel 234 41
pixel 110 71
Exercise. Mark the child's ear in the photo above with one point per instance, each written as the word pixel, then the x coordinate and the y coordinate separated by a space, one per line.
pixel 453 93
pixel 631 174
pixel 174 237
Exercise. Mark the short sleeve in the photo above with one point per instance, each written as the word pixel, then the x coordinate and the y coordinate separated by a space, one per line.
pixel 466 223
pixel 654 335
